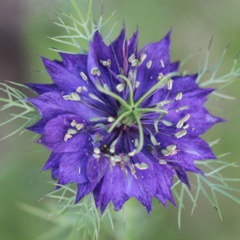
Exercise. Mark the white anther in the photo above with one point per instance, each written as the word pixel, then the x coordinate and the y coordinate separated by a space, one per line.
pixel 179 96
pixel 131 58
pixel 72 131
pixel 186 118
pixel 79 89
pixel 67 136
pixel 137 84
pixel 170 83
pixel 180 123
pixel 111 119
pixel 73 123
pixel 79 126
pixel 162 63
pixel 96 150
pixel 131 154
pixel 162 161
pixel 75 97
pixel 96 156
pixel 180 134
pixel 84 77
pixel 149 64
pixel 120 87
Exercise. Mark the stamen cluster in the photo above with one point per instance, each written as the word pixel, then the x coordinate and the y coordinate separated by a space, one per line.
pixel 121 123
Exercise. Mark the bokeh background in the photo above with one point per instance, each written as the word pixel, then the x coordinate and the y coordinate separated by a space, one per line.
pixel 24 26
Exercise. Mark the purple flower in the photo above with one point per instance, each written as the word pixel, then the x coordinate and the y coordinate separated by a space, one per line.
pixel 120 123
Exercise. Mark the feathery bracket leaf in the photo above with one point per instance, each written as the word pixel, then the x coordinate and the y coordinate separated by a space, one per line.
pixel 82 28
pixel 14 98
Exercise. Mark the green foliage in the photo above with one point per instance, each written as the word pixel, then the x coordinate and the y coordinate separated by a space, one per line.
pixel 82 219
pixel 82 28
pixel 16 99
pixel 213 174
pixel 224 80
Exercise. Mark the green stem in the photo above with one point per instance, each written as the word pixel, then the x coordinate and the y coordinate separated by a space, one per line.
pixel 130 88
pixel 118 120
pixel 113 95
pixel 141 136
pixel 145 110
pixel 155 87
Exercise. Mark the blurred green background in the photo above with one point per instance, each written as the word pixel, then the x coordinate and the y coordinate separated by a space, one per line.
pixel 23 27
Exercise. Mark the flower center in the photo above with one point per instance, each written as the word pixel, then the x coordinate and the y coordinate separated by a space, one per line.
pixel 129 118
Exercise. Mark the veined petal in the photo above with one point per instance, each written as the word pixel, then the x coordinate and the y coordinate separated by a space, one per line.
pixel 55 131
pixel 51 104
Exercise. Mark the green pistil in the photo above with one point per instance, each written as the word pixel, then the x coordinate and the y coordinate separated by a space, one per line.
pixel 119 119
pixel 146 110
pixel 155 87
pixel 113 95
pixel 141 136
pixel 130 88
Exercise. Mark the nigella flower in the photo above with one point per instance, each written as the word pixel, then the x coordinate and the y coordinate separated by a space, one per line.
pixel 121 123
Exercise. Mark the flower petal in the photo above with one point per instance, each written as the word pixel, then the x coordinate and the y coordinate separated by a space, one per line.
pixel 51 104
pixel 55 130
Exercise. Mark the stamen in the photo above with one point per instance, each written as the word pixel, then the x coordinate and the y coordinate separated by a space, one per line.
pixel 186 127
pixel 73 123
pixel 67 136
pixel 79 126
pixel 142 58
pixel 97 150
pixel 171 147
pixel 72 131
pixel 182 108
pixel 106 63
pixel 161 104
pixel 162 161
pixel 134 62
pixel 131 58
pixel 75 97
pixel 112 160
pixel 67 97
pixel 96 71
pixel 137 84
pixel 84 77
pixel 167 123
pixel 170 82
pixel 179 96
pixel 111 119
pixel 142 166
pixel 180 134
pixel 149 64
pixel 96 156
pixel 160 76
pixel 120 87
pixel 131 154
pixel 186 118
pixel 165 152
pixel 79 89
pixel 180 123
pixel 162 63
